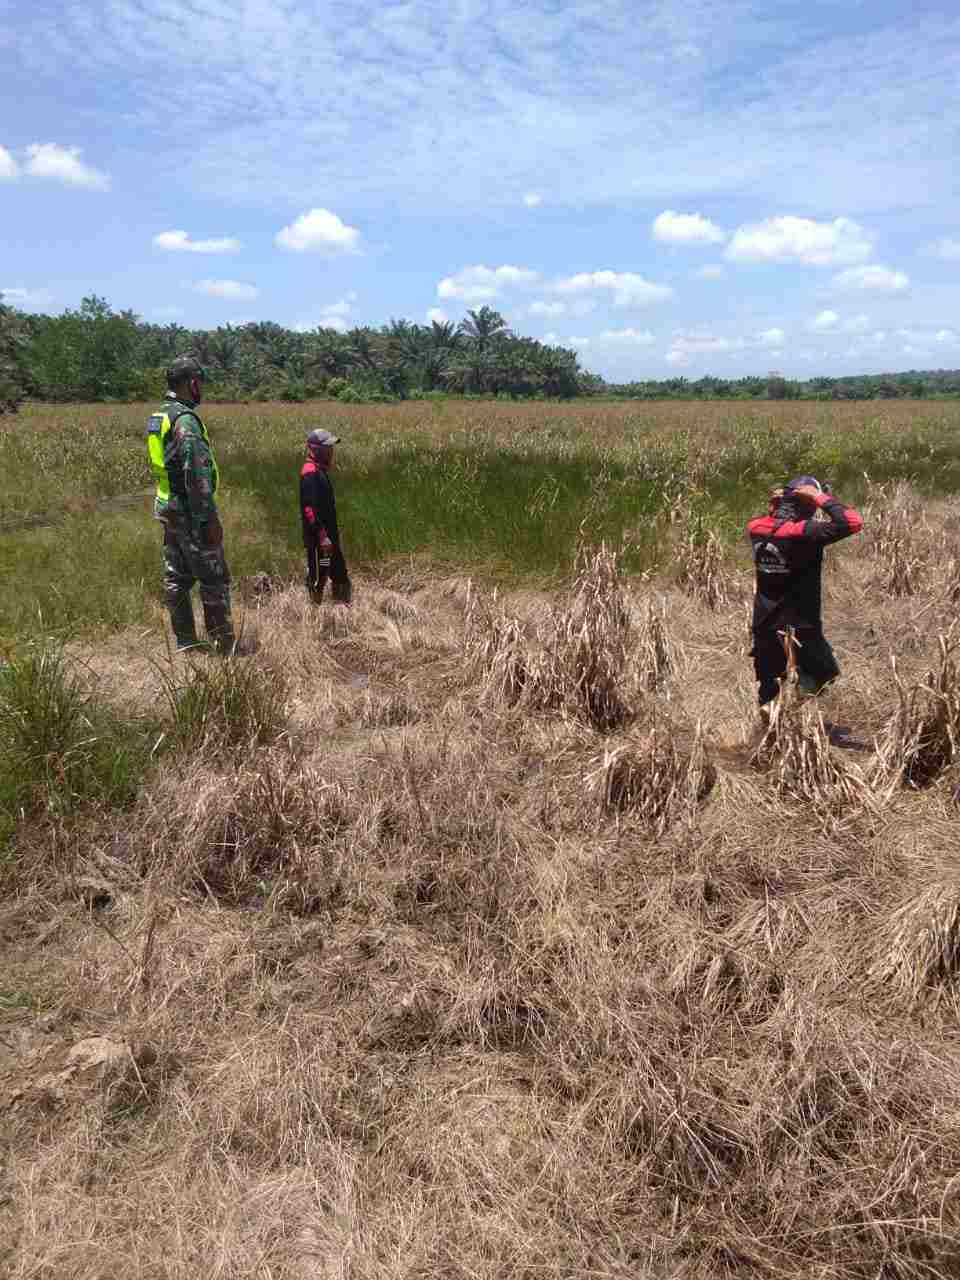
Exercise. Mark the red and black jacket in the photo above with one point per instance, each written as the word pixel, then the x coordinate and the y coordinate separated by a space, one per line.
pixel 318 507
pixel 788 555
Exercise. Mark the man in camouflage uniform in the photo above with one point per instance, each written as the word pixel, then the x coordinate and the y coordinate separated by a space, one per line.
pixel 187 478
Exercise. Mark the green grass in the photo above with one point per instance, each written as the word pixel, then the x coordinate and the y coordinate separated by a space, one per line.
pixel 501 490
pixel 61 746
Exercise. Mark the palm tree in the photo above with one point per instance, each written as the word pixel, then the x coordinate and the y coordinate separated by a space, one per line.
pixel 484 326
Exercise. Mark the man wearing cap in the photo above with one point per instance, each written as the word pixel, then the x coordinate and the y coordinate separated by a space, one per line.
pixel 186 473
pixel 318 517
pixel 788 543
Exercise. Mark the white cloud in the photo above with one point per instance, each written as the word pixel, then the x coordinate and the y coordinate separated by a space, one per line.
pixel 700 342
pixel 48 160
pixel 945 335
pixel 180 242
pixel 26 299
pixel 483 284
pixel 437 315
pixel 8 166
pixel 944 248
pixel 229 290
pixel 628 288
pixel 677 357
pixel 871 279
pixel 167 313
pixel 321 231
pixel 790 239
pixel 857 324
pixel 824 321
pixel 613 338
pixel 547 308
pixel 712 271
pixel 771 337
pixel 532 199
pixel 686 228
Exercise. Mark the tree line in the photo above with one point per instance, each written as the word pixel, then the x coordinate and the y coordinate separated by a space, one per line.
pixel 94 353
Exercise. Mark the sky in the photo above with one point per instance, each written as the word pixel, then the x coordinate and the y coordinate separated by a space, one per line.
pixel 718 187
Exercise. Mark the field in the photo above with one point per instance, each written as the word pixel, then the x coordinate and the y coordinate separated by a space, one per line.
pixel 476 931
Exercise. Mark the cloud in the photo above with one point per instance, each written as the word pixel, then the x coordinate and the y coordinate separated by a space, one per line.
pixel 437 316
pixel 180 242
pixel 8 166
pixel 771 337
pixel 686 228
pixel 27 299
pixel 547 308
pixel 824 321
pixel 945 335
pixel 628 288
pixel 612 338
pixel 857 324
pixel 228 290
pixel 943 248
pixel 167 313
pixel 319 231
pixel 871 279
pixel 712 271
pixel 483 284
pixel 687 344
pixel 48 160
pixel 532 199
pixel 790 239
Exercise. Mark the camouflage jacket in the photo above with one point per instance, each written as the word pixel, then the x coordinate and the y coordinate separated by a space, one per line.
pixel 189 460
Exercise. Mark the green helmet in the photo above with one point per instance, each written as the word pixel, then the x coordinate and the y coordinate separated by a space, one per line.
pixel 183 369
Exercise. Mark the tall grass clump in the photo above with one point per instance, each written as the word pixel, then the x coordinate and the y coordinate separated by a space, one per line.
pixel 922 737
pixel 653 778
pixel 60 745
pixel 573 660
pixel 223 706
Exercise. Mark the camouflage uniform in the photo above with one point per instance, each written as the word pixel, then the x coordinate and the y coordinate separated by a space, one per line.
pixel 185 516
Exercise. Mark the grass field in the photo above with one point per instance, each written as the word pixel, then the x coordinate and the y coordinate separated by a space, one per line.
pixel 471 932
pixel 494 488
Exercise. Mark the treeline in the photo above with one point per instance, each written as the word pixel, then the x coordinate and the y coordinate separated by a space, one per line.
pixel 914 384
pixel 95 353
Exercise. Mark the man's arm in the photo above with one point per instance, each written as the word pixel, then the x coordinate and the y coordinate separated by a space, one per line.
pixel 326 508
pixel 841 522
pixel 197 464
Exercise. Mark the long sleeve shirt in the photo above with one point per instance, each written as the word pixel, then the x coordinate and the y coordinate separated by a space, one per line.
pixel 788 555
pixel 190 466
pixel 318 507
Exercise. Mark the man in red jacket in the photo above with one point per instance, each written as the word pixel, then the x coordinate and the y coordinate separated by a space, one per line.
pixel 788 548
pixel 318 516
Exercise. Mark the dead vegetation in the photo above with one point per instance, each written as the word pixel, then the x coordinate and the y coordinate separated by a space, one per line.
pixel 511 949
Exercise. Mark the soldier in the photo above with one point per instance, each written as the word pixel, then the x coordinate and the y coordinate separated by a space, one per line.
pixel 788 546
pixel 187 479
pixel 318 518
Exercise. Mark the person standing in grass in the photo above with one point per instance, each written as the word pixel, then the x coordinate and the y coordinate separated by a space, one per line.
pixel 318 517
pixel 788 543
pixel 187 479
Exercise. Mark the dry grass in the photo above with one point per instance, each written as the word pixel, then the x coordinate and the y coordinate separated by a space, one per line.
pixel 516 953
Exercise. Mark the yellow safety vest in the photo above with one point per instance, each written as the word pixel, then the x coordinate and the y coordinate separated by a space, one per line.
pixel 159 427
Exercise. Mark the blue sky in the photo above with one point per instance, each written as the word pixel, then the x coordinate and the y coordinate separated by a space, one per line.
pixel 672 188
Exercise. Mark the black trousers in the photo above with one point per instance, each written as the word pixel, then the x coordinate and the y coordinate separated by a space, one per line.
pixel 816 665
pixel 317 575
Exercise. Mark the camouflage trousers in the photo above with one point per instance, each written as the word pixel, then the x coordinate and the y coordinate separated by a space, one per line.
pixel 186 562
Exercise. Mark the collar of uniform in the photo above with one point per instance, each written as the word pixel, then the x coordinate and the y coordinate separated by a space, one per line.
pixel 188 404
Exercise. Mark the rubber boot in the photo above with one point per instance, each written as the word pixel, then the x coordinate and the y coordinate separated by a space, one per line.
pixel 184 627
